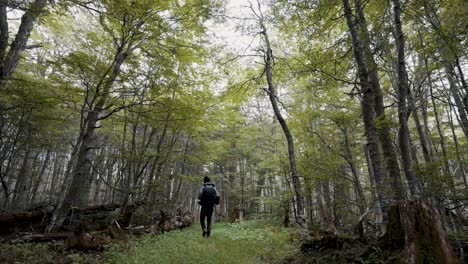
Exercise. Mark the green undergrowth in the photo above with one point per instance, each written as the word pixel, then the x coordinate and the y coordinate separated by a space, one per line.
pixel 247 242
pixel 46 253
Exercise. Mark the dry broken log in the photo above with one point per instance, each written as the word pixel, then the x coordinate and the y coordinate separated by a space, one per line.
pixel 326 240
pixel 415 235
pixel 85 224
pixel 87 241
pixel 164 224
pixel 368 226
pixel 100 217
pixel 33 219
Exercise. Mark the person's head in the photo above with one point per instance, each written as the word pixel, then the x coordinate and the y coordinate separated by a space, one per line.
pixel 206 179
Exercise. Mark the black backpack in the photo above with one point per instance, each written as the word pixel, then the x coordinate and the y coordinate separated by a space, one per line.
pixel 209 196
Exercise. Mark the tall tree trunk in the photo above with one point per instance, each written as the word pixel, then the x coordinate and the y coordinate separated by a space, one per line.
pixel 23 181
pixel 449 71
pixel 368 113
pixel 403 88
pixel 457 148
pixel 463 82
pixel 421 82
pixel 323 201
pixel 436 114
pixel 56 173
pixel 78 193
pixel 360 197
pixel 383 129
pixel 40 177
pixel 291 152
pixel 423 139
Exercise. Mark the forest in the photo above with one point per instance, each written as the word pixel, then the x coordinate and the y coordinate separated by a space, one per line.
pixel 334 130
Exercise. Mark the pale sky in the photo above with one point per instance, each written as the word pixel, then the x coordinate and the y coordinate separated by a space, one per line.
pixel 237 11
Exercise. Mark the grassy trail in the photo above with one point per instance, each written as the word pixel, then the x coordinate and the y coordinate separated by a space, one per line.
pixel 248 242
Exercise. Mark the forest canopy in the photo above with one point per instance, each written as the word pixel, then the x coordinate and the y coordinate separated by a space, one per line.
pixel 310 112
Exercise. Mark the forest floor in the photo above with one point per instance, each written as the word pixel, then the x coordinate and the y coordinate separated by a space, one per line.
pixel 246 242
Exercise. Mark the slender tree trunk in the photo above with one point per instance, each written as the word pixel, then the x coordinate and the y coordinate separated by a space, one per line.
pixel 436 115
pixel 4 31
pixel 457 148
pixel 463 82
pixel 323 201
pixel 56 173
pixel 292 159
pixel 23 182
pixel 457 98
pixel 360 197
pixel 423 140
pixel 40 177
pixel 403 88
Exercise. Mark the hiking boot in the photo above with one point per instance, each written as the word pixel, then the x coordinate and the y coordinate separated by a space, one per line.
pixel 204 234
pixel 208 234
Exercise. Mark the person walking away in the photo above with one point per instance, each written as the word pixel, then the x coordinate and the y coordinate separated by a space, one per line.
pixel 208 197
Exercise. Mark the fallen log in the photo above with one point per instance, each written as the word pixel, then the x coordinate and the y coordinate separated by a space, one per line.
pixel 38 237
pixel 100 217
pixel 87 228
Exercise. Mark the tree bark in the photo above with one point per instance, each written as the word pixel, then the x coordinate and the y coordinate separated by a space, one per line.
pixel 10 59
pixel 415 232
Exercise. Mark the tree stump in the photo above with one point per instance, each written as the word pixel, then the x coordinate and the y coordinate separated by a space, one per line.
pixel 415 231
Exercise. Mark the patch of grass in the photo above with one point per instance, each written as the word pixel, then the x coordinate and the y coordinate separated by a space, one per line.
pixel 42 253
pixel 32 253
pixel 247 242
pixel 21 253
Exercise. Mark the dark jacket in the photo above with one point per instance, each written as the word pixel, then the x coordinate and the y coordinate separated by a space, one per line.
pixel 200 192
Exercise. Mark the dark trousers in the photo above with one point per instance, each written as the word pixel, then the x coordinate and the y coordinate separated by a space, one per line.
pixel 206 212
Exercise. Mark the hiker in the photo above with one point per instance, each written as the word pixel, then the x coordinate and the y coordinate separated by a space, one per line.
pixel 208 197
